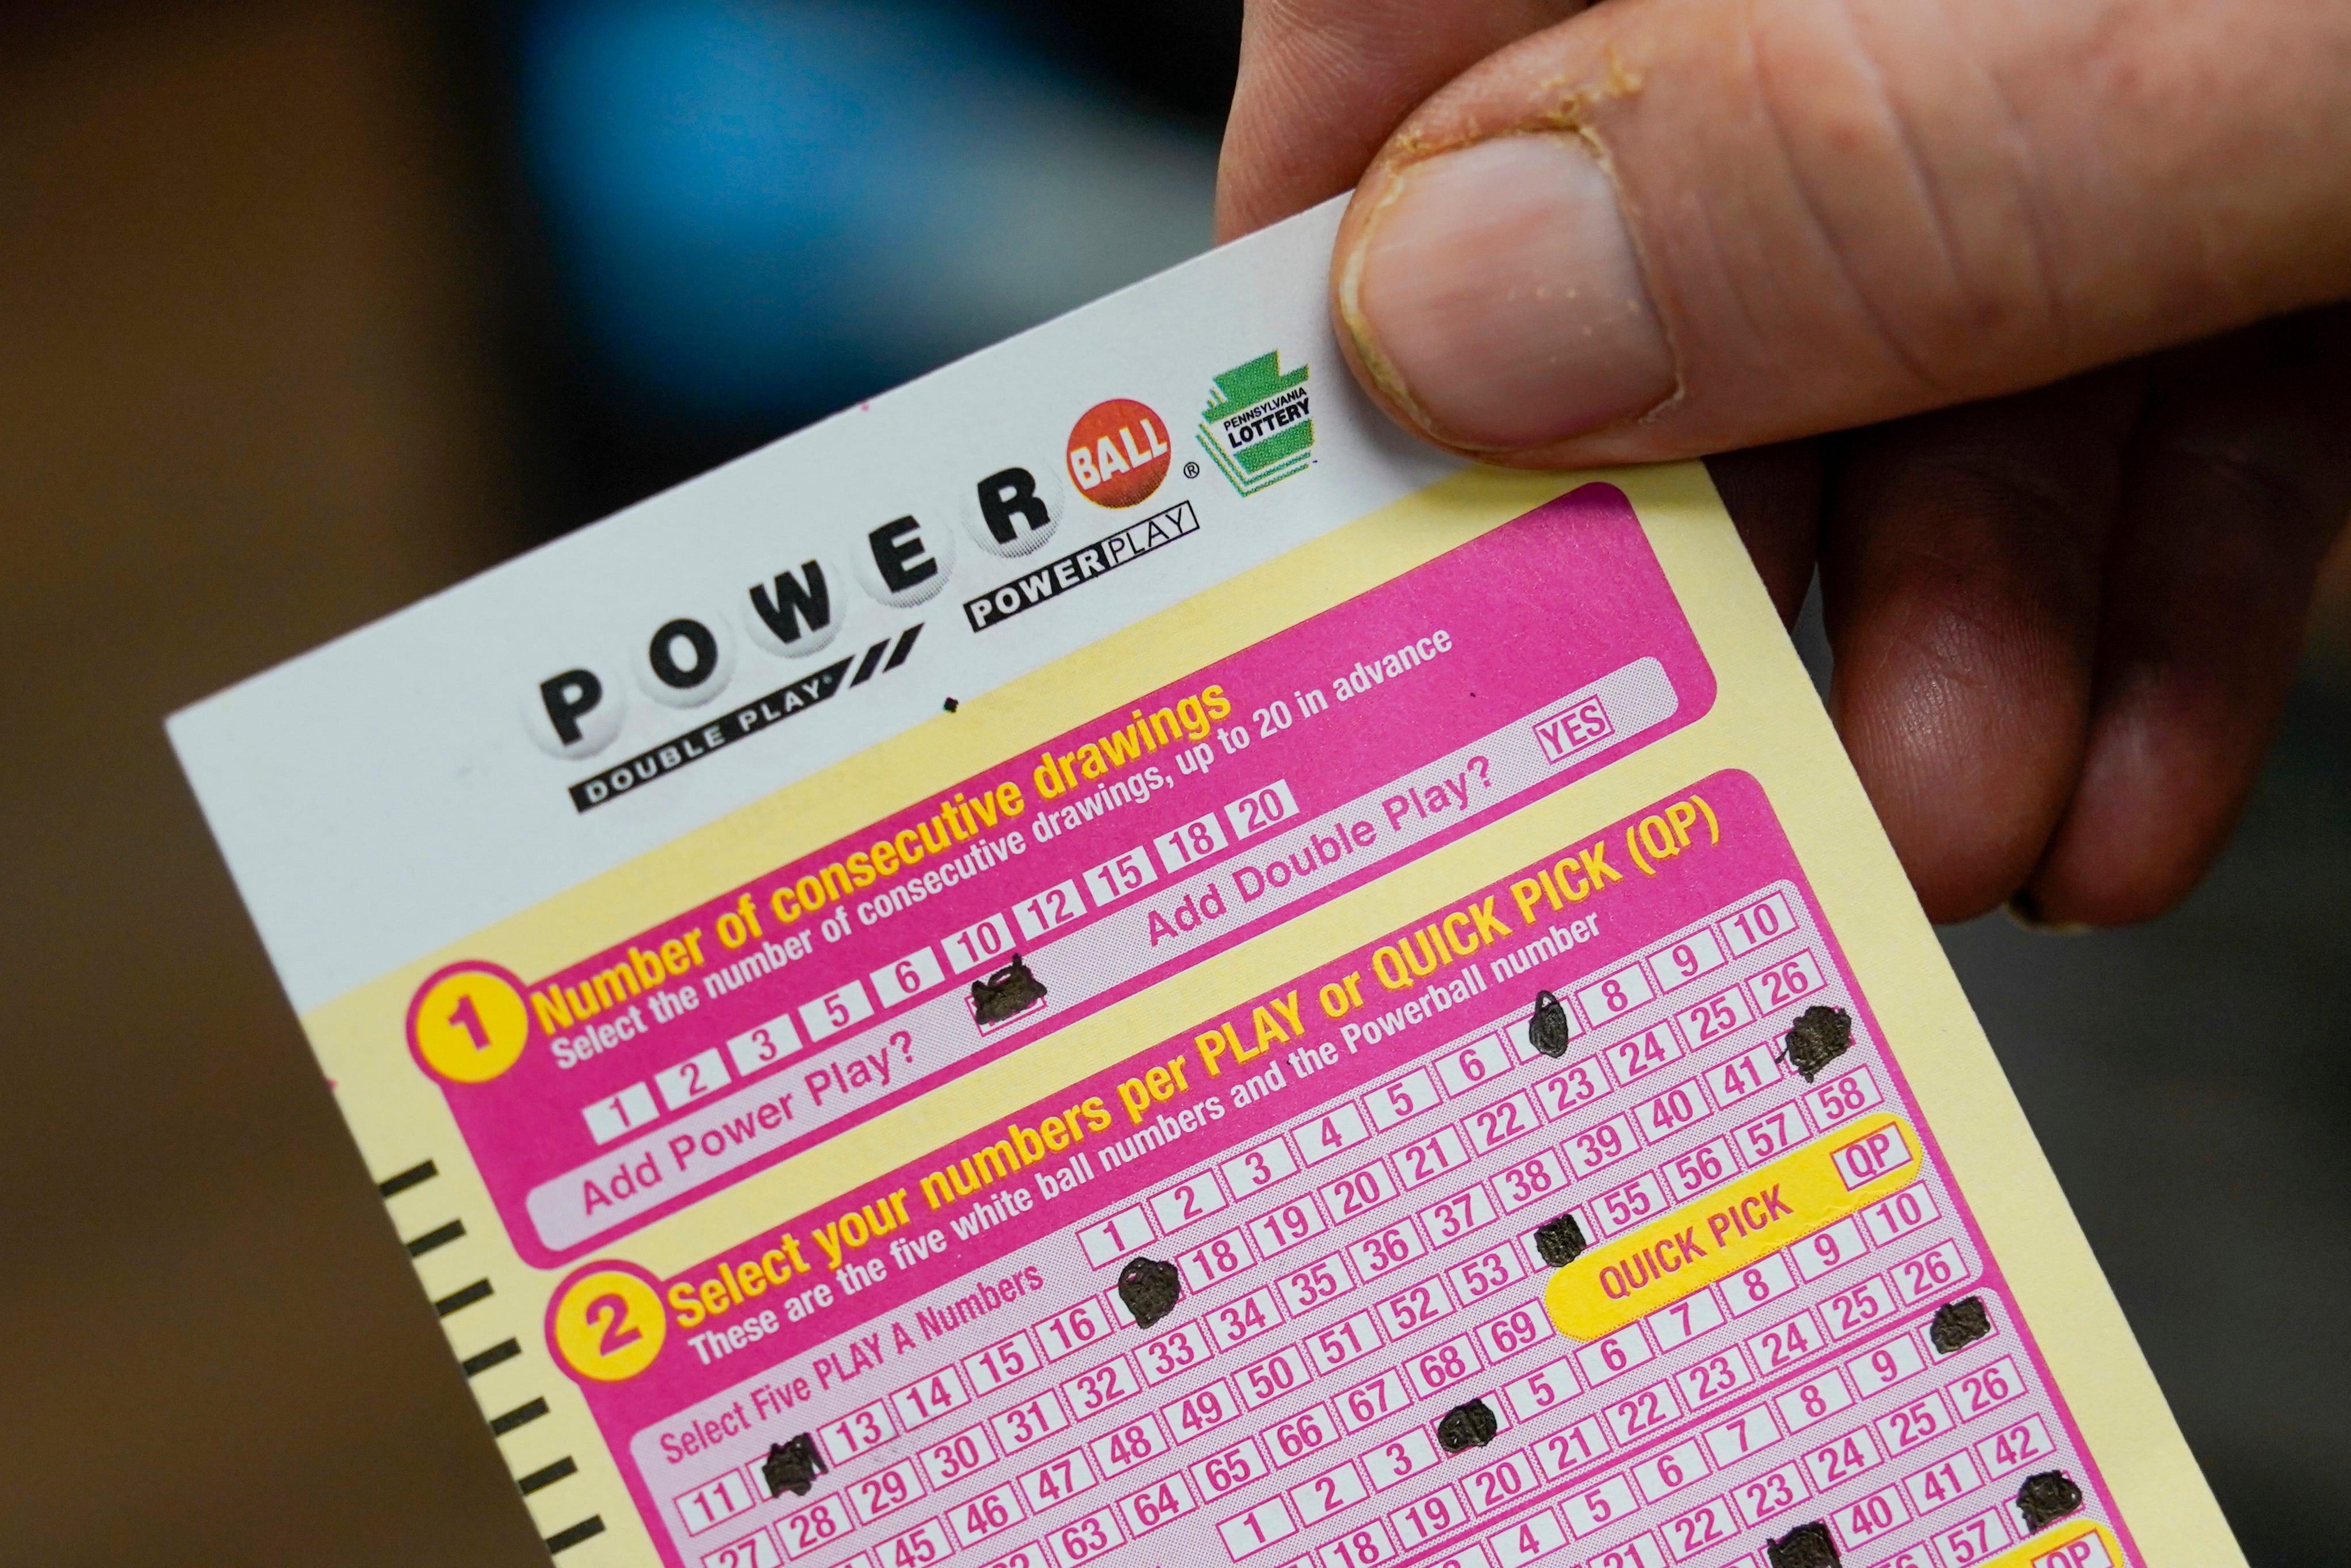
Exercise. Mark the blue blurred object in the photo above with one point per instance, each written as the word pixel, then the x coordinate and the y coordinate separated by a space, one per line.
pixel 785 207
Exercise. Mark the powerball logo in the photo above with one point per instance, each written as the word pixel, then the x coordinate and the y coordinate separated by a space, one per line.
pixel 1259 427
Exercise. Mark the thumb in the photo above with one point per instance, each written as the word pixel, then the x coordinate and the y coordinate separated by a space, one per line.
pixel 1666 227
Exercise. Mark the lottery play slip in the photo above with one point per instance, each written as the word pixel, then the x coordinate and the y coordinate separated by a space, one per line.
pixel 1103 960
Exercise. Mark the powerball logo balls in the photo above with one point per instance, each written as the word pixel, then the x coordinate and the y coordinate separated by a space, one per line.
pixel 1118 453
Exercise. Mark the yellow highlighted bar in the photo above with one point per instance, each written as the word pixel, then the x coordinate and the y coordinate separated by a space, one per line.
pixel 2081 1543
pixel 1682 1252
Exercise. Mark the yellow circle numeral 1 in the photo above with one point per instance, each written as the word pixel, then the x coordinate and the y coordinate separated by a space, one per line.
pixel 469 1024
pixel 609 1325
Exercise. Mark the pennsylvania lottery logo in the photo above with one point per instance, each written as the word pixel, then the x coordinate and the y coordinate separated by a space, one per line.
pixel 1259 427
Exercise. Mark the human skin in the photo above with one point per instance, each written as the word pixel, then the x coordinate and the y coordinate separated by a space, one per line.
pixel 2016 318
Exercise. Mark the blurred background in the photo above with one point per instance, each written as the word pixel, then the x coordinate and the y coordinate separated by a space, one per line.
pixel 310 308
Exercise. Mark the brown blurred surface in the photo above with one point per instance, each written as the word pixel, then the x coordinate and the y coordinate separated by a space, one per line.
pixel 240 412
pixel 248 401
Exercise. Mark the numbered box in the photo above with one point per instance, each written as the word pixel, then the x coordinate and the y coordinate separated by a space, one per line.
pixel 1841 1459
pixel 1912 1208
pixel 1561 1454
pixel 1188 1203
pixel 1262 809
pixel 1372 1400
pixel 884 1492
pixel 1530 1540
pixel 982 944
pixel 1235 1323
pixel 1338 1130
pixel 1175 1353
pixel 1843 1098
pixel 1782 1345
pixel 716 1501
pixel 1057 1480
pixel 1771 1494
pixel 1661 1476
pixel 1246 1534
pixel 1599 1146
pixel 1772 1134
pixel 815 1526
pixel 1120 1450
pixel 1717 1377
pixel 1049 910
pixel 1066 1333
pixel 2015 1445
pixel 1639 1055
pixel 926 1544
pixel 1606 1359
pixel 1084 1540
pixel 1499 1484
pixel 1751 926
pixel 1945 1481
pixel 1749 1432
pixel 1755 1288
pixel 1884 1367
pixel 1545 1388
pixel 1473 1279
pixel 950 1459
pixel 1440 1511
pixel 1255 1169
pixel 992 1366
pixel 1194 841
pixel 1265 1379
pixel 1865 1519
pixel 616 1114
pixel 1982 1535
pixel 1539 1178
pixel 1319 1496
pixel 1614 994
pixel 836 1010
pixel 1441 1366
pixel 1023 1425
pixel 1401 1099
pixel 1717 1018
pixel 1101 1388
pixel 1905 1427
pixel 1115 1238
pixel 1692 958
pixel 1301 1435
pixel 1829 1248
pixel 700 1074
pixel 755 1550
pixel 1225 1473
pixel 1936 1274
pixel 925 1399
pixel 1813 1402
pixel 1707 1165
pixel 1277 1230
pixel 1693 1530
pixel 1202 1410
pixel 1468 1066
pixel 763 1045
pixel 989 1515
pixel 1448 1219
pixel 903 979
pixel 1217 1258
pixel 1160 1503
pixel 1344 1342
pixel 1117 877
pixel 1792 982
pixel 1391 1464
pixel 867 1426
pixel 1663 1114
